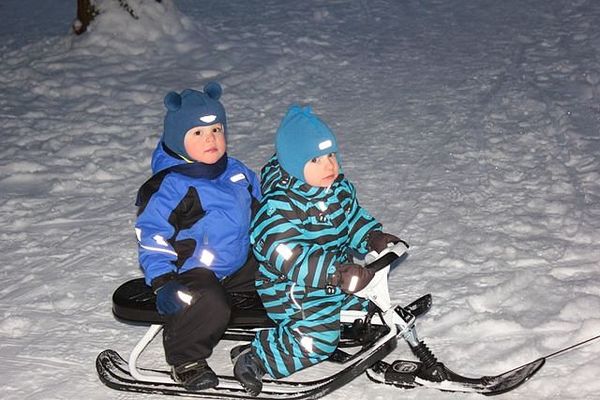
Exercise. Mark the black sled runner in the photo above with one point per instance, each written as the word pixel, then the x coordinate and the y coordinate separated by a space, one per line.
pixel 367 338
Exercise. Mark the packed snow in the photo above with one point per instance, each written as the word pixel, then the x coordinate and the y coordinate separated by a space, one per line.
pixel 471 129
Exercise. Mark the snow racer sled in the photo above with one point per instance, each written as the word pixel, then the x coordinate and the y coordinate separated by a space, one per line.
pixel 367 338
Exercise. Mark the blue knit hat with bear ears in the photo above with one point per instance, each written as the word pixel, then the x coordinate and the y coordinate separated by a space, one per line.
pixel 189 109
pixel 302 136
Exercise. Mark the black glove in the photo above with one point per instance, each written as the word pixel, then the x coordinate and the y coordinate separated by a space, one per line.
pixel 352 278
pixel 379 240
pixel 171 296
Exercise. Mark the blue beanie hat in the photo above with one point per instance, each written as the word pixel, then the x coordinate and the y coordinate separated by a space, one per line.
pixel 302 136
pixel 189 109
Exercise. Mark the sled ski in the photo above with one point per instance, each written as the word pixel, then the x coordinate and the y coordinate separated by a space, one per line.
pixel 406 374
pixel 114 372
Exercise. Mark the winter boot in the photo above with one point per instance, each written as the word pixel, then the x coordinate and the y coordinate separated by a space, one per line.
pixel 195 375
pixel 247 369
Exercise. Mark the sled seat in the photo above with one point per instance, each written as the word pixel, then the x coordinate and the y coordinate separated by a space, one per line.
pixel 134 302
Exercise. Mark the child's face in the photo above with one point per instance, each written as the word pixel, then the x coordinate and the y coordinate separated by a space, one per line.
pixel 321 171
pixel 205 144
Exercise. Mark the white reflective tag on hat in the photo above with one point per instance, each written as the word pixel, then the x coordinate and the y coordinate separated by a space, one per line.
pixel 207 119
pixel 237 177
pixel 325 145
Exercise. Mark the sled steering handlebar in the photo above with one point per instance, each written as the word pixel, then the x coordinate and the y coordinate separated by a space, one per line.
pixel 393 253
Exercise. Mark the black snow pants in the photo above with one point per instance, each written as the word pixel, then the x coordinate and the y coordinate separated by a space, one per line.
pixel 191 334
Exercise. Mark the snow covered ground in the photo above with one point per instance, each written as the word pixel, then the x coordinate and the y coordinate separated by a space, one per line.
pixel 470 128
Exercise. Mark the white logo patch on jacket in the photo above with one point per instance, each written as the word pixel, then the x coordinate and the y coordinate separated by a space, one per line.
pixel 237 177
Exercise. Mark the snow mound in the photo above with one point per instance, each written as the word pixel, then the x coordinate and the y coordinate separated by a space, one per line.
pixel 135 30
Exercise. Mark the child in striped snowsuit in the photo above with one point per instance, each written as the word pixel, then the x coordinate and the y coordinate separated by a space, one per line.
pixel 308 225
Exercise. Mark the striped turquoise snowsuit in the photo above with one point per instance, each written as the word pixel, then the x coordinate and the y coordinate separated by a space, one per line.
pixel 299 235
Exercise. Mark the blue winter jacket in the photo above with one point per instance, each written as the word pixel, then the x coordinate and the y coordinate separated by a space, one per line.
pixel 190 222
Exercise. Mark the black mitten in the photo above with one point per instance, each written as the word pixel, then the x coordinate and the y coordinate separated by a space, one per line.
pixel 379 240
pixel 171 296
pixel 352 278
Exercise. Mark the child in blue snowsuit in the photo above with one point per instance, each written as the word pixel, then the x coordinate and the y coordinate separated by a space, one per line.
pixel 302 235
pixel 193 230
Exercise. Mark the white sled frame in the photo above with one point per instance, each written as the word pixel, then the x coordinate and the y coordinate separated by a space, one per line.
pixel 377 292
pixel 137 351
